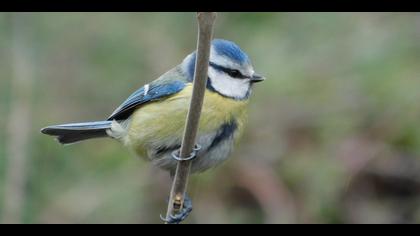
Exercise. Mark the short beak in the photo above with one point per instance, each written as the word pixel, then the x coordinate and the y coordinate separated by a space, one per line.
pixel 257 78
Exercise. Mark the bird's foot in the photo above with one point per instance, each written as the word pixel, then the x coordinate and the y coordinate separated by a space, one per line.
pixel 182 215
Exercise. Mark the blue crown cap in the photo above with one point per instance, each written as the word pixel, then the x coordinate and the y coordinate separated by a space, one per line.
pixel 224 48
pixel 231 50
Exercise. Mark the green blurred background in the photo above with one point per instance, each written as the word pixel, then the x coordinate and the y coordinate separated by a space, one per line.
pixel 333 135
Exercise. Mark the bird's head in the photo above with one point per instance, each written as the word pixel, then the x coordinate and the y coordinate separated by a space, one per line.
pixel 230 70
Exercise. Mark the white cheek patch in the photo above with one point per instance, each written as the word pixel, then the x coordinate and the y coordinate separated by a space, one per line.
pixel 228 86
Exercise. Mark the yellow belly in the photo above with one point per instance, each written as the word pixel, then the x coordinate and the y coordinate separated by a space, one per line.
pixel 163 121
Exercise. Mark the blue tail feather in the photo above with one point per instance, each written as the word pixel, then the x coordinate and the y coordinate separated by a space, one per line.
pixel 75 132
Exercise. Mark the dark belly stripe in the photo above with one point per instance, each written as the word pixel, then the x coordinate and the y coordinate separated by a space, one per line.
pixel 225 131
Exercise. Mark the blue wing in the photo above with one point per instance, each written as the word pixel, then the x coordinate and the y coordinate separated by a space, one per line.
pixel 155 91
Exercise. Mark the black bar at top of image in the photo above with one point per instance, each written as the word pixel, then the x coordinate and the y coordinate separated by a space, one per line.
pixel 207 5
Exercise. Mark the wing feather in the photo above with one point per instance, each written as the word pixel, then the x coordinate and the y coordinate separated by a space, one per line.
pixel 168 84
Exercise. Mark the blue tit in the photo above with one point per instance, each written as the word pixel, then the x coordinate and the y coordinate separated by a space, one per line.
pixel 151 121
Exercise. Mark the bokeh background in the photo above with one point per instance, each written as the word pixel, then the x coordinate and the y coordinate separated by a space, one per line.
pixel 333 135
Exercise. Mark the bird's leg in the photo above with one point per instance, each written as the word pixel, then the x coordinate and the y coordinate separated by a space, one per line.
pixel 183 214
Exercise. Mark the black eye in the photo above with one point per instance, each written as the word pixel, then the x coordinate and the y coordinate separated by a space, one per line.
pixel 234 73
pixel 231 72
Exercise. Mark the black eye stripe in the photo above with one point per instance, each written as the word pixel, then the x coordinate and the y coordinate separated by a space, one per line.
pixel 232 72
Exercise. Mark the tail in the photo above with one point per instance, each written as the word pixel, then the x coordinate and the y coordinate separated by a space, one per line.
pixel 71 133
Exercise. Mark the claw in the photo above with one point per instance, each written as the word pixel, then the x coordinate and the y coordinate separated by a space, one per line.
pixel 182 215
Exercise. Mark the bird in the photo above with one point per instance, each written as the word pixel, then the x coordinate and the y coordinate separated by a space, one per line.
pixel 151 120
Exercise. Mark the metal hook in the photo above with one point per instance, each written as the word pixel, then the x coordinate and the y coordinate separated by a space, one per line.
pixel 175 154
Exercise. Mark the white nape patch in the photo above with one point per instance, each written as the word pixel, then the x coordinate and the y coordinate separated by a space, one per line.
pixel 228 86
pixel 146 89
pixel 118 130
pixel 185 63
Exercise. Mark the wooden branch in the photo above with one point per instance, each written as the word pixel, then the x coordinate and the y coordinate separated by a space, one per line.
pixel 179 185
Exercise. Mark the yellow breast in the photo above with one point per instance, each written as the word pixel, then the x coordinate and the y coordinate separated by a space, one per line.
pixel 163 121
